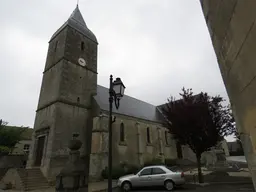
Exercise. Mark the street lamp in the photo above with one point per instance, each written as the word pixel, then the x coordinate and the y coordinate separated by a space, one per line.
pixel 116 92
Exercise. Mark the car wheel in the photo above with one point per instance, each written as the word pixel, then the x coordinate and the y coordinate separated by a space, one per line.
pixel 169 185
pixel 126 186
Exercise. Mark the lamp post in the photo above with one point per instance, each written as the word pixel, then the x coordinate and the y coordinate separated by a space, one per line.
pixel 116 92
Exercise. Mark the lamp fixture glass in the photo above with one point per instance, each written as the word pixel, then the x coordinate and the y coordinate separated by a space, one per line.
pixel 119 88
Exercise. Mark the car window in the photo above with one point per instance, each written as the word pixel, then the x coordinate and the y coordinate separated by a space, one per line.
pixel 146 172
pixel 157 171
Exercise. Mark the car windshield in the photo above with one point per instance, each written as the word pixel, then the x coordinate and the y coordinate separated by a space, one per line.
pixel 137 172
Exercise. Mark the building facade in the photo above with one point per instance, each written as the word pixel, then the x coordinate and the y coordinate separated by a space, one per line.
pixel 71 102
pixel 232 29
pixel 66 97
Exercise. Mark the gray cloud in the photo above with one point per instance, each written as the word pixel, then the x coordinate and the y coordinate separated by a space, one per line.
pixel 156 47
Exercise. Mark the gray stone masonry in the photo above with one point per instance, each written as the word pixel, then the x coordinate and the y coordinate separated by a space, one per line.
pixel 73 176
pixel 66 97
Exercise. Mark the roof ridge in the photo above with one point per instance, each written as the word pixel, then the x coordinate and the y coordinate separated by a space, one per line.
pixel 133 98
pixel 130 106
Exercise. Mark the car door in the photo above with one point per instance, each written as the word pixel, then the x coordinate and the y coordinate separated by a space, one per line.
pixel 158 176
pixel 145 178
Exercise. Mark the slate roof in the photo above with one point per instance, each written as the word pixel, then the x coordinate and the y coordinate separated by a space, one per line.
pixel 77 22
pixel 164 106
pixel 129 106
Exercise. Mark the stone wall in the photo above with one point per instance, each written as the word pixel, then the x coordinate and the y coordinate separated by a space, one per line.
pixel 232 29
pixel 134 149
pixel 224 146
pixel 13 161
pixel 19 147
pixel 12 177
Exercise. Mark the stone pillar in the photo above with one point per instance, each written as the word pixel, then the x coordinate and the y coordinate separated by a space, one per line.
pixel 45 149
pixel 32 152
pixel 99 147
pixel 72 178
pixel 139 141
pixel 160 145
pixel 160 139
pixel 87 140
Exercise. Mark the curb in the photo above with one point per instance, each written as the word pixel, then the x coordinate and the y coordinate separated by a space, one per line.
pixel 231 183
pixel 220 183
pixel 104 190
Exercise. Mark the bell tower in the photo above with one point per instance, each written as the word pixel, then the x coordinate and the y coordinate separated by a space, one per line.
pixel 69 82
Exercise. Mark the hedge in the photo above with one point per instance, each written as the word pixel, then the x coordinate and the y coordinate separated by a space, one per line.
pixel 125 169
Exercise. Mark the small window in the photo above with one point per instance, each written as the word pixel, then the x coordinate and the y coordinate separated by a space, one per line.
pixel 148 135
pixel 146 172
pixel 56 46
pixel 26 148
pixel 122 132
pixel 82 45
pixel 157 171
pixel 166 138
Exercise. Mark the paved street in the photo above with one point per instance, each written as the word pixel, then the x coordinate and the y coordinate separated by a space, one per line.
pixel 210 188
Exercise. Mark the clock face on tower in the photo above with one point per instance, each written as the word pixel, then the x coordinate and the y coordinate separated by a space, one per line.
pixel 81 62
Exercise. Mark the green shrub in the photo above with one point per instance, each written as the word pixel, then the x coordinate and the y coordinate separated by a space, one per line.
pixel 156 161
pixel 4 150
pixel 125 168
pixel 104 173
pixel 120 171
pixel 170 162
pixel 116 172
pixel 130 169
pixel 9 185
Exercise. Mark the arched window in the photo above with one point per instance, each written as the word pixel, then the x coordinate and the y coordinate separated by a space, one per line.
pixel 122 132
pixel 148 135
pixel 82 45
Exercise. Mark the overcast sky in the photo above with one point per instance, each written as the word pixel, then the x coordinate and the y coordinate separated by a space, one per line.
pixel 155 46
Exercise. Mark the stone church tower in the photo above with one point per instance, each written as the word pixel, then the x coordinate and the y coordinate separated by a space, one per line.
pixel 68 86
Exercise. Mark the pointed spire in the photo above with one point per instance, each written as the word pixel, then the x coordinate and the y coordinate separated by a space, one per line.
pixel 77 16
pixel 76 21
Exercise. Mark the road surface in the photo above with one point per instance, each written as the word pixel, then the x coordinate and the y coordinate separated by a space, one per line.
pixel 210 188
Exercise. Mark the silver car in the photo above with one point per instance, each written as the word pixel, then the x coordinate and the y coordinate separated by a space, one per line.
pixel 152 176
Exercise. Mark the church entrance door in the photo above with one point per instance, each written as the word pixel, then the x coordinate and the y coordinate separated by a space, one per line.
pixel 39 150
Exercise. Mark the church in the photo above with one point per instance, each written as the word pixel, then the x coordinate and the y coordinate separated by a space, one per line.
pixel 71 102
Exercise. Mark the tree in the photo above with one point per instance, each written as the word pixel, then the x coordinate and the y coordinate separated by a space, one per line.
pixel 199 121
pixel 9 137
